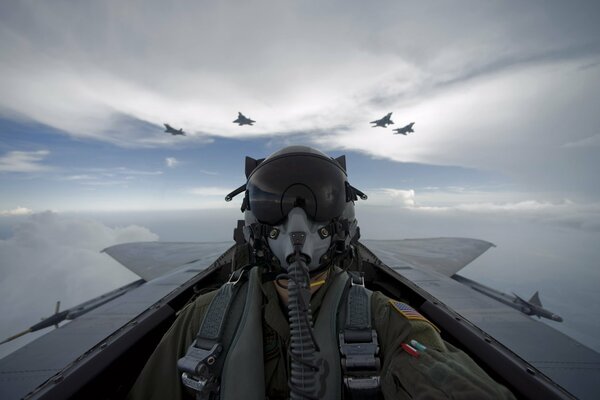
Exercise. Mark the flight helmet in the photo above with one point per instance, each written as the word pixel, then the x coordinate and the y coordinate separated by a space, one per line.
pixel 299 189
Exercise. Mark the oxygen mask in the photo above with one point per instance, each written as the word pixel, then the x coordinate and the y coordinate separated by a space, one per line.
pixel 316 240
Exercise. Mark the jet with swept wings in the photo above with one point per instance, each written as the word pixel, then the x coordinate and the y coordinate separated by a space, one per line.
pixel 383 122
pixel 173 131
pixel 243 120
pixel 404 130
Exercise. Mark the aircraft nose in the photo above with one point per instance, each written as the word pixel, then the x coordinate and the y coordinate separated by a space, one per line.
pixel 557 318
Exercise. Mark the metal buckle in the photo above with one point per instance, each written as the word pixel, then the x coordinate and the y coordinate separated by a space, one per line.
pixel 363 385
pixel 197 374
pixel 361 283
pixel 360 356
pixel 237 279
pixel 360 365
pixel 190 382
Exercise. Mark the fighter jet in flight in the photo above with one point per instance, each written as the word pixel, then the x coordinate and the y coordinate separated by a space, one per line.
pixel 173 131
pixel 383 122
pixel 242 120
pixel 404 130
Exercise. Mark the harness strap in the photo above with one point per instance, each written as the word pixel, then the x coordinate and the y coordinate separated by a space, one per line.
pixel 326 332
pixel 235 312
pixel 359 346
pixel 201 366
pixel 242 374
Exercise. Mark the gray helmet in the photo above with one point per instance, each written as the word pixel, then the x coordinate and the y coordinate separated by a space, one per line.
pixel 299 189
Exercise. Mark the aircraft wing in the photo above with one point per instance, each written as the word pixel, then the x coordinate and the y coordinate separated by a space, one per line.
pixel 561 358
pixel 66 361
pixel 150 260
pixel 442 255
pixel 108 332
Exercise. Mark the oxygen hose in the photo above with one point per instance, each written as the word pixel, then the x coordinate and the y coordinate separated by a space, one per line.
pixel 304 380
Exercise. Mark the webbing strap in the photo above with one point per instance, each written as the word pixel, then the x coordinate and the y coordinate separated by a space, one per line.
pixel 359 346
pixel 242 375
pixel 202 363
pixel 358 316
pixel 214 319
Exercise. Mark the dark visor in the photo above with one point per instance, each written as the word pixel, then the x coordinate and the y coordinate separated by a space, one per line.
pixel 311 182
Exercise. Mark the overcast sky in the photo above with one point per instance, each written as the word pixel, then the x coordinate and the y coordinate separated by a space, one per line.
pixel 504 96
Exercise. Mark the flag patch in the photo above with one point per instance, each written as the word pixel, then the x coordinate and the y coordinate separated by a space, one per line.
pixel 410 313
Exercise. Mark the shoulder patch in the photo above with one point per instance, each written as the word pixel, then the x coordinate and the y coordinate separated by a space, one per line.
pixel 410 313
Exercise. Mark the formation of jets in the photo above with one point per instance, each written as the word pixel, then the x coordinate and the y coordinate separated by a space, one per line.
pixel 387 120
pixel 243 120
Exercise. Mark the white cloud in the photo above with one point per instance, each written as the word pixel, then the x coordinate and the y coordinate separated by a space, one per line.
pixel 476 122
pixel 460 201
pixel 117 176
pixel 124 171
pixel 83 177
pixel 16 211
pixel 171 162
pixel 24 161
pixel 388 196
pixel 58 258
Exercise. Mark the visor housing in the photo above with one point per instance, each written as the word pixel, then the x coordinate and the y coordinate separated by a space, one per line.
pixel 301 177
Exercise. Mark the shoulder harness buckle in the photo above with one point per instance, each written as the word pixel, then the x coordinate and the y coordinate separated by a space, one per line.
pixel 196 367
pixel 359 345
pixel 360 363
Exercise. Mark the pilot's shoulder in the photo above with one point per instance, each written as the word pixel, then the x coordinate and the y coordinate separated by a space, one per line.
pixel 196 308
pixel 395 307
pixel 399 313
pixel 204 299
pixel 190 317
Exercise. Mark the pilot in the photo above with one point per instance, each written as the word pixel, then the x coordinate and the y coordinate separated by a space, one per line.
pixel 294 320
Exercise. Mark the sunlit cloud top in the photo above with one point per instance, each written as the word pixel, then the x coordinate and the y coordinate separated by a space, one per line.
pixel 24 161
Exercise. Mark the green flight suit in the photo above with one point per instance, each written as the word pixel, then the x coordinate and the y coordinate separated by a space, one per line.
pixel 441 371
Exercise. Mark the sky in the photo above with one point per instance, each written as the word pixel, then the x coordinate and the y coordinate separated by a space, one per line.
pixel 504 96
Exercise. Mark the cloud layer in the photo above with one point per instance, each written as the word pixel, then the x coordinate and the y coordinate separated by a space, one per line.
pixel 495 85
pixel 486 206
pixel 16 211
pixel 51 258
pixel 24 161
